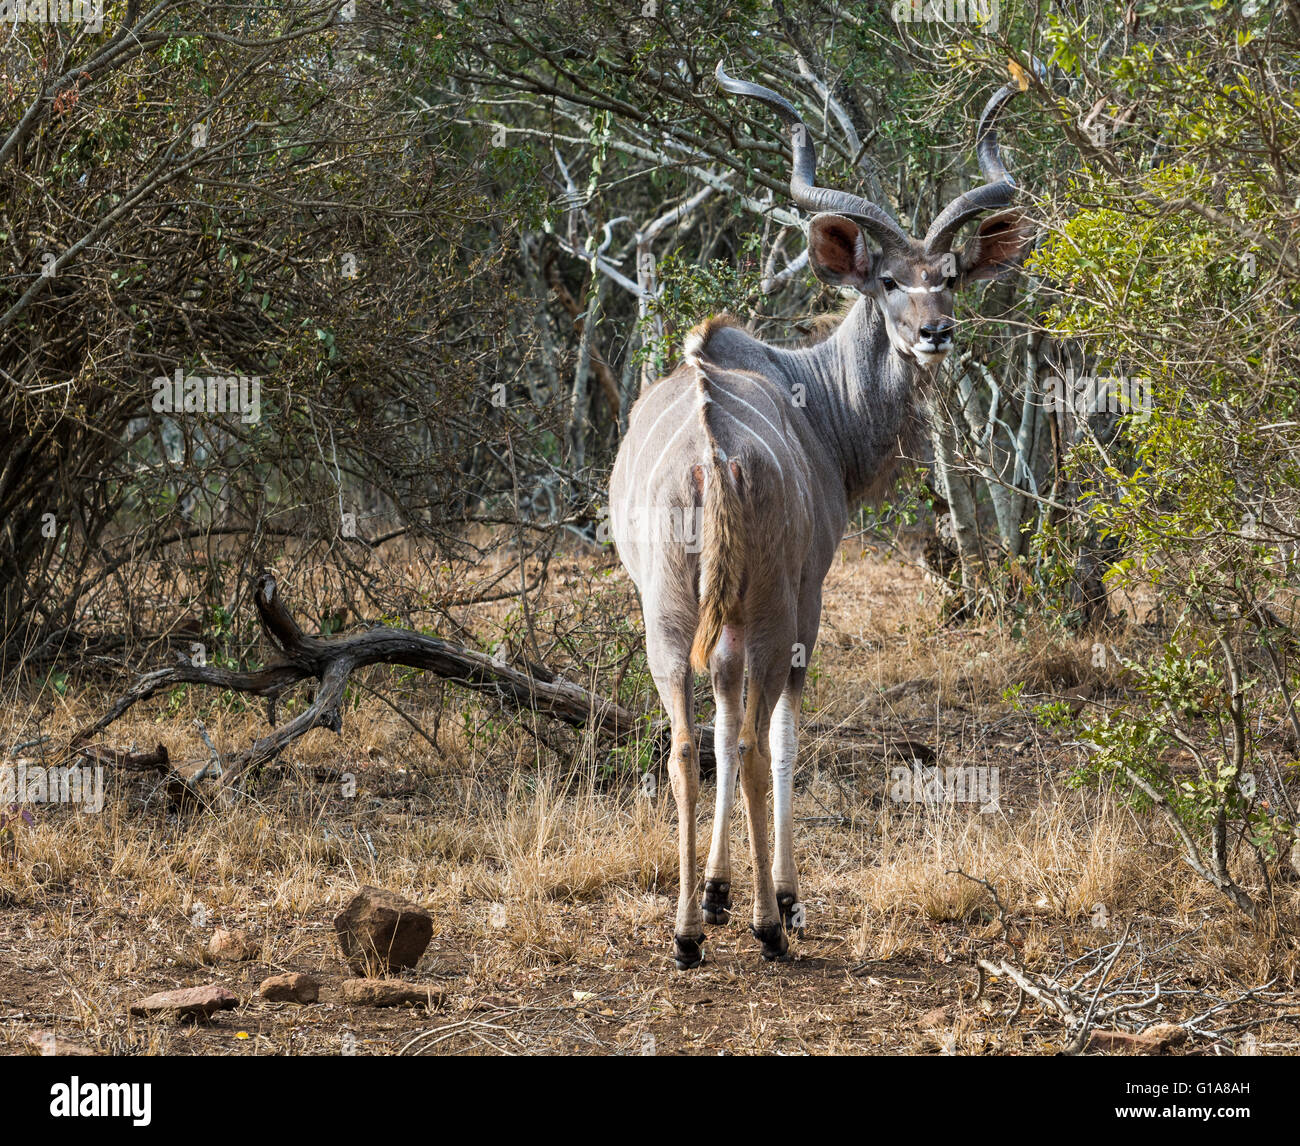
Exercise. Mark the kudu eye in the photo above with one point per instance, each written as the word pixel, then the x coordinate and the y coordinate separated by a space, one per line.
pixel 888 283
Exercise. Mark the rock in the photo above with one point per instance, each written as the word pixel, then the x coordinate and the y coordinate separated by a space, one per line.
pixel 939 1017
pixel 232 946
pixel 389 993
pixel 380 931
pixel 1151 1041
pixel 291 988
pixel 49 1043
pixel 187 1002
pixel 1166 1034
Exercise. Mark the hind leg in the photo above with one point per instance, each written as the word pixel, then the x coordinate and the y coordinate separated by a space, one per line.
pixel 727 669
pixel 672 676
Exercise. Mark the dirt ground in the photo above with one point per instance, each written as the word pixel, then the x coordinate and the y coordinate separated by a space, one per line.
pixel 550 872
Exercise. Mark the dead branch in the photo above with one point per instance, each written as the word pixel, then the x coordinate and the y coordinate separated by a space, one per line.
pixel 332 660
pixel 156 761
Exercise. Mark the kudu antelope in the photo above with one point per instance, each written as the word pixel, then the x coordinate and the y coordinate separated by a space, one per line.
pixel 771 450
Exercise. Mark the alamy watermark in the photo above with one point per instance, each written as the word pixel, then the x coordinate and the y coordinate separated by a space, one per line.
pixel 77 1099
pixel 956 784
pixel 983 14
pixel 215 394
pixel 35 784
pixel 89 13
pixel 1085 395
pixel 679 524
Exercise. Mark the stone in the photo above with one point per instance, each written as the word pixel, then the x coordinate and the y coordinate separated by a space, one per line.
pixel 389 993
pixel 291 988
pixel 380 931
pixel 1153 1040
pixel 187 1002
pixel 231 945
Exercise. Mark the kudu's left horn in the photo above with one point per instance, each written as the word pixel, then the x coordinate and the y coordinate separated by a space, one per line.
pixel 999 188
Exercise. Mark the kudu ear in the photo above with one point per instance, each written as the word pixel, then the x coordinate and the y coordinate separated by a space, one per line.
pixel 999 243
pixel 837 251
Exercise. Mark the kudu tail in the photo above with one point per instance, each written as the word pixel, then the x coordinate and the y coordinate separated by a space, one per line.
pixel 722 557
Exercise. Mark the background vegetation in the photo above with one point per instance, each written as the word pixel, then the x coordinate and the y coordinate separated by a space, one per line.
pixel 453 241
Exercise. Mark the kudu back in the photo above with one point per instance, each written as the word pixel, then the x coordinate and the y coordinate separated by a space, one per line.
pixel 736 479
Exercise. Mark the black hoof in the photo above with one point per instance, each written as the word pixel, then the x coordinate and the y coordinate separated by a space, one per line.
pixel 716 903
pixel 791 919
pixel 687 953
pixel 776 948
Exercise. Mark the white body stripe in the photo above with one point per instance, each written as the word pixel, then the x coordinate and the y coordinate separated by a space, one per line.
pixel 762 440
pixel 654 469
pixel 777 429
pixel 636 460
pixel 803 485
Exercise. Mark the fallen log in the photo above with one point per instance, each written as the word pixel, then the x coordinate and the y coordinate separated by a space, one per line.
pixel 156 761
pixel 331 660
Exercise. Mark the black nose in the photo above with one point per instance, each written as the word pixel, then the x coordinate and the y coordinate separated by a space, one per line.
pixel 937 332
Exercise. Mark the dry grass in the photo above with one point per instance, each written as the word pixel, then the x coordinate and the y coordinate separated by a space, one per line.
pixel 551 877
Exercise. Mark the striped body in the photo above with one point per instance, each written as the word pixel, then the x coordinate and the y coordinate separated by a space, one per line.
pixel 808 438
pixel 728 500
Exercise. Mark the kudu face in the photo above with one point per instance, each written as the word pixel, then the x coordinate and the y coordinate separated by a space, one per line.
pixel 852 242
pixel 913 289
pixel 915 296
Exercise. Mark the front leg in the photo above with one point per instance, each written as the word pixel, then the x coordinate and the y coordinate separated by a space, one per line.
pixel 755 782
pixel 783 743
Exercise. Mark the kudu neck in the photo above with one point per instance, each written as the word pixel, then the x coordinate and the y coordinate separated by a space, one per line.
pixel 861 399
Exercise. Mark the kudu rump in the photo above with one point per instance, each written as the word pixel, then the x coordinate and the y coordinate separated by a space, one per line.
pixel 771 450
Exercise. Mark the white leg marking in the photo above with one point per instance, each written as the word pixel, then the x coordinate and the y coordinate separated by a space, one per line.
pixel 783 743
pixel 726 731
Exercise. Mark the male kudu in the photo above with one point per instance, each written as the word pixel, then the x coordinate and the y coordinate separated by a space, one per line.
pixel 772 449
